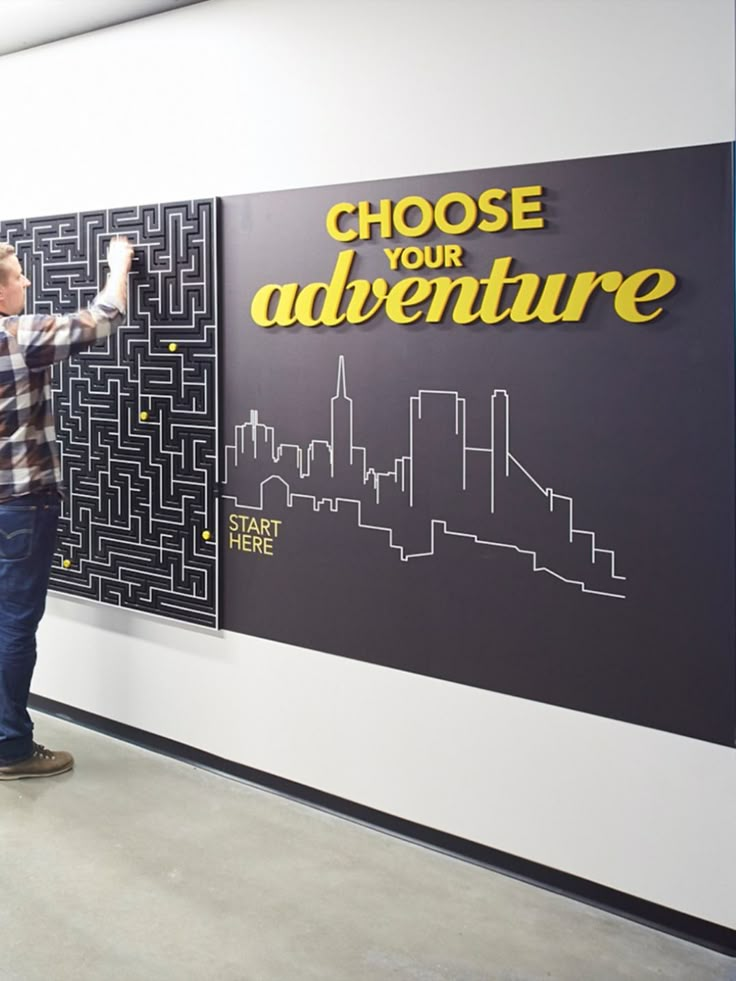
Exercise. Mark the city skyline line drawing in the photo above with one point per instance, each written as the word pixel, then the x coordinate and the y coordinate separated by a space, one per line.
pixel 482 497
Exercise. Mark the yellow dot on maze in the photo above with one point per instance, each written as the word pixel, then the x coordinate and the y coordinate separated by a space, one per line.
pixel 172 347
pixel 206 535
pixel 144 416
pixel 67 563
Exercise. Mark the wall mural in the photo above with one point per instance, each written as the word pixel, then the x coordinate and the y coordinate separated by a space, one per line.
pixel 479 426
pixel 476 426
pixel 136 414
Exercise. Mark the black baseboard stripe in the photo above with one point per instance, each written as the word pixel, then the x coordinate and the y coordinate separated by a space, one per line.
pixel 689 928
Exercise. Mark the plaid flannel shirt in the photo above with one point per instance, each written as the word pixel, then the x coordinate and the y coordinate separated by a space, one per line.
pixel 29 345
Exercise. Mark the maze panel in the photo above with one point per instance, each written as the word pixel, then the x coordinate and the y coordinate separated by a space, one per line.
pixel 136 415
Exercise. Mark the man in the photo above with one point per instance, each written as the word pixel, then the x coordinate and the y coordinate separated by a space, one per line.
pixel 30 485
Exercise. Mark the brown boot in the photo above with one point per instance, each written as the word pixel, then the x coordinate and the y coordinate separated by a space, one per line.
pixel 43 763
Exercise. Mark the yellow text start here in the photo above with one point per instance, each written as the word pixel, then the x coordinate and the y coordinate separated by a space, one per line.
pixel 247 533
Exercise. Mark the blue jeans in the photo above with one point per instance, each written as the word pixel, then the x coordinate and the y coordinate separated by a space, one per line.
pixel 27 543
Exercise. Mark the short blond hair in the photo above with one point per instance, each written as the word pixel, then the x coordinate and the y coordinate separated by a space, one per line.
pixel 6 250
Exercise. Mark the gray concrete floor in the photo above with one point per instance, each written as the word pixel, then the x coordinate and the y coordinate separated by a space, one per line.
pixel 139 867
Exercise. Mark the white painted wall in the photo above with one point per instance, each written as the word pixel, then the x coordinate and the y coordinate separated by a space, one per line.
pixel 233 96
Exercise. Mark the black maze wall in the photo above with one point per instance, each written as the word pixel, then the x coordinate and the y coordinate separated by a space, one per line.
pixel 136 414
pixel 479 426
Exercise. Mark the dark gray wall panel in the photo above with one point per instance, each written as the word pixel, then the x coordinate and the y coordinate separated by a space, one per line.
pixel 540 509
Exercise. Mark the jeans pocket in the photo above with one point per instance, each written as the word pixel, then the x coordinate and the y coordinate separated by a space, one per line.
pixel 16 533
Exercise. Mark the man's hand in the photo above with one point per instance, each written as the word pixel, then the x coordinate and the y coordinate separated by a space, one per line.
pixel 119 255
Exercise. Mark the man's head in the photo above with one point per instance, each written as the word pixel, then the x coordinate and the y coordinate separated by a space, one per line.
pixel 13 283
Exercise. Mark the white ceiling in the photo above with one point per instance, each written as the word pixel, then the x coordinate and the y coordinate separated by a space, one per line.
pixel 27 23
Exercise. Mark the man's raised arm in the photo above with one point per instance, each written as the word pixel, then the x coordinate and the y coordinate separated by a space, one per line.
pixel 43 339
